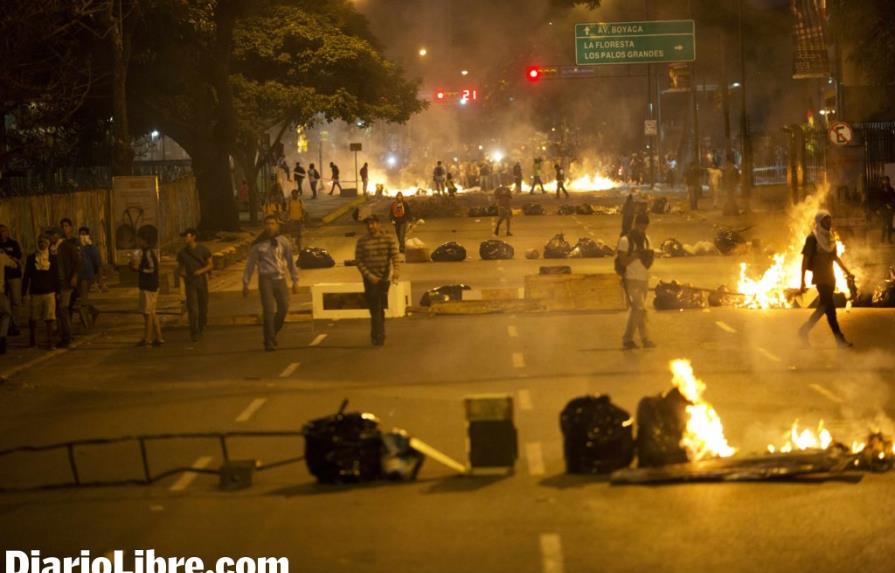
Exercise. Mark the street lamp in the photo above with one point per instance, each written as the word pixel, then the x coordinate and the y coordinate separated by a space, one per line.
pixel 423 52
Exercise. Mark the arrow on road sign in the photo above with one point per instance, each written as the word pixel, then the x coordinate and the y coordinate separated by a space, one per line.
pixel 679 48
pixel 587 30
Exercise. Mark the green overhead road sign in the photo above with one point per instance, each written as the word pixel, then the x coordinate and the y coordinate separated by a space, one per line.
pixel 655 42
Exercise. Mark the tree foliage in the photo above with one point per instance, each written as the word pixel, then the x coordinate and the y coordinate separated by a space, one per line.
pixel 867 27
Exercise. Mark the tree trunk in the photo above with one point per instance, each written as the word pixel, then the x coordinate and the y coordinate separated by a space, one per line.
pixel 216 202
pixel 123 154
pixel 246 162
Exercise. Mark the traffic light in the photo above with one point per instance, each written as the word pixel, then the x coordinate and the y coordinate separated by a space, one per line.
pixel 533 74
pixel 439 96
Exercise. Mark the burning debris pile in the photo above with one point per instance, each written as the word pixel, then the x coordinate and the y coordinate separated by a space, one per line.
pixel 680 437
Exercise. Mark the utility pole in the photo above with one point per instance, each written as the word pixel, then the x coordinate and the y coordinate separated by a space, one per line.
pixel 694 106
pixel 651 139
pixel 746 178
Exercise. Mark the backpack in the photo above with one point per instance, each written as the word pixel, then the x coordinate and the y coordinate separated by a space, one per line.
pixel 619 267
pixel 398 210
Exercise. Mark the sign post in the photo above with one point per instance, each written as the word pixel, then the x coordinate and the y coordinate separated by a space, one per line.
pixel 654 42
pixel 355 147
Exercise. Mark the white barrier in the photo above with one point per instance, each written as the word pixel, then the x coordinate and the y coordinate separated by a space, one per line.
pixel 346 300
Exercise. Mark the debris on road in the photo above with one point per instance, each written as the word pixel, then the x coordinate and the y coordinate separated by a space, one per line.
pixel 673 248
pixel 587 248
pixel 660 206
pixel 675 296
pixel 598 436
pixel 445 293
pixel 315 258
pixel 727 239
pixel 532 254
pixel 584 209
pixel 555 270
pixel 557 248
pixel 494 249
pixel 533 209
pixel 450 252
pixel 566 209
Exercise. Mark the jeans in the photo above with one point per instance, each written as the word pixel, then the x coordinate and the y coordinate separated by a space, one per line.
pixel 274 304
pixel 535 182
pixel 502 216
pixel 298 184
pixel 313 189
pixel 401 233
pixel 561 187
pixel 197 305
pixel 636 292
pixel 81 303
pixel 377 300
pixel 826 305
pixel 63 314
pixel 5 314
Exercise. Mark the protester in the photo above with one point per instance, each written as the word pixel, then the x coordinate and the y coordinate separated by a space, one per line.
pixel 449 183
pixel 296 211
pixel 335 173
pixel 12 276
pixel 504 198
pixel 68 264
pixel 438 175
pixel 365 176
pixel 627 214
pixel 377 261
pixel 145 261
pixel 633 261
pixel 818 256
pixel 517 177
pixel 300 174
pixel 560 180
pixel 6 263
pixel 194 264
pixel 272 254
pixel 313 180
pixel 536 178
pixel 89 273
pixel 694 185
pixel 715 176
pixel 40 282
pixel 887 209
pixel 399 213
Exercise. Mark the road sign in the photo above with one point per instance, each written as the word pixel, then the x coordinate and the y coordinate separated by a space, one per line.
pixel 650 127
pixel 658 41
pixel 355 147
pixel 841 133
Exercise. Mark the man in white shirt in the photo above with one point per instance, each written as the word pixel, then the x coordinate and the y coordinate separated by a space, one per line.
pixel 633 260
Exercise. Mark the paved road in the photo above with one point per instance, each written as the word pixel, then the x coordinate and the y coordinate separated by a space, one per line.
pixel 538 519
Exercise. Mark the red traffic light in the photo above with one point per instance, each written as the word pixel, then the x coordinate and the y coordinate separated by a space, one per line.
pixel 533 73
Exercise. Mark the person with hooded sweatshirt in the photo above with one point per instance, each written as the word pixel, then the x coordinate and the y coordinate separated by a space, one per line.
pixel 818 256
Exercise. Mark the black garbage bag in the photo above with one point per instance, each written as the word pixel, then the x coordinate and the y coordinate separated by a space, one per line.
pixel 533 209
pixel 491 210
pixel 722 296
pixel 494 249
pixel 598 436
pixel 399 460
pixel 661 422
pixel 884 293
pixel 727 239
pixel 659 205
pixel 675 296
pixel 344 448
pixel 445 293
pixel 673 248
pixel 586 248
pixel 607 250
pixel 532 254
pixel 584 209
pixel 566 210
pixel 315 258
pixel 555 270
pixel 478 212
pixel 450 252
pixel 557 248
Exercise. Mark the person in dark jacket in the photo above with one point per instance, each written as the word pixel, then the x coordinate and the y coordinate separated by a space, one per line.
pixel 145 261
pixel 335 174
pixel 89 274
pixel 365 176
pixel 12 276
pixel 40 282
pixel 399 213
pixel 300 174
pixel 68 264
pixel 886 209
pixel 517 177
pixel 628 214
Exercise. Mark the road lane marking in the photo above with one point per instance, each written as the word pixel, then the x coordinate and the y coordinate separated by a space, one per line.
pixel 287 372
pixel 524 399
pixel 535 456
pixel 769 355
pixel 503 279
pixel 725 327
pixel 317 340
pixel 187 478
pixel 250 410
pixel 518 360
pixel 826 393
pixel 551 553
pixel 591 233
pixel 512 332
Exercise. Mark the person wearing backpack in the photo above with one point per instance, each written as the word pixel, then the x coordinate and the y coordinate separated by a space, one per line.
pixel 399 213
pixel 633 260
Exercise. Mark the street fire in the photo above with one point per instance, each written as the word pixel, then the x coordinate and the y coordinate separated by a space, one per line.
pixel 805 439
pixel 704 434
pixel 595 182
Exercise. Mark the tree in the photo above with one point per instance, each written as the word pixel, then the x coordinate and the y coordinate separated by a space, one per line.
pixel 867 27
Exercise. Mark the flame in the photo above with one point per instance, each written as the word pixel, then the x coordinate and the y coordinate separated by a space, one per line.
pixel 595 182
pixel 704 436
pixel 809 439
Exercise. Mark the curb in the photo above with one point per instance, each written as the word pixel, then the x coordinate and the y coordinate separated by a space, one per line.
pixel 341 210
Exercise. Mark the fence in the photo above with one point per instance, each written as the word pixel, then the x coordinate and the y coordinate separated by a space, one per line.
pixel 26 216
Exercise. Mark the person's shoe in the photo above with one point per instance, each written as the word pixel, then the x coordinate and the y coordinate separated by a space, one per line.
pixel 158 342
pixel 269 348
pixel 629 345
pixel 509 234
pixel 841 342
pixel 803 336
pixel 143 343
pixel 649 344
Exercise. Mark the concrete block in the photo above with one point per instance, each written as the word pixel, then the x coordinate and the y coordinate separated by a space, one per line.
pixel 576 291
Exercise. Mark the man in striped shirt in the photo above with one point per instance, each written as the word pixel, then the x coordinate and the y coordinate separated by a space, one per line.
pixel 377 261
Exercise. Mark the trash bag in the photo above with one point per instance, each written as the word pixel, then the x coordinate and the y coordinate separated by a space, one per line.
pixel 675 296
pixel 450 252
pixel 400 462
pixel 491 211
pixel 566 210
pixel 445 293
pixel 661 422
pixel 884 293
pixel 722 296
pixel 478 212
pixel 727 239
pixel 315 258
pixel 533 209
pixel 557 248
pixel 673 248
pixel 493 250
pixel 598 436
pixel 701 248
pixel 607 250
pixel 555 270
pixel 586 248
pixel 659 206
pixel 344 448
pixel 532 254
pixel 584 209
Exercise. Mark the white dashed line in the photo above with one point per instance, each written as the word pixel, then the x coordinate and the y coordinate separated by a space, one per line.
pixel 250 410
pixel 770 356
pixel 317 340
pixel 535 456
pixel 512 332
pixel 523 398
pixel 551 553
pixel 826 393
pixel 518 360
pixel 287 372
pixel 725 327
pixel 187 478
